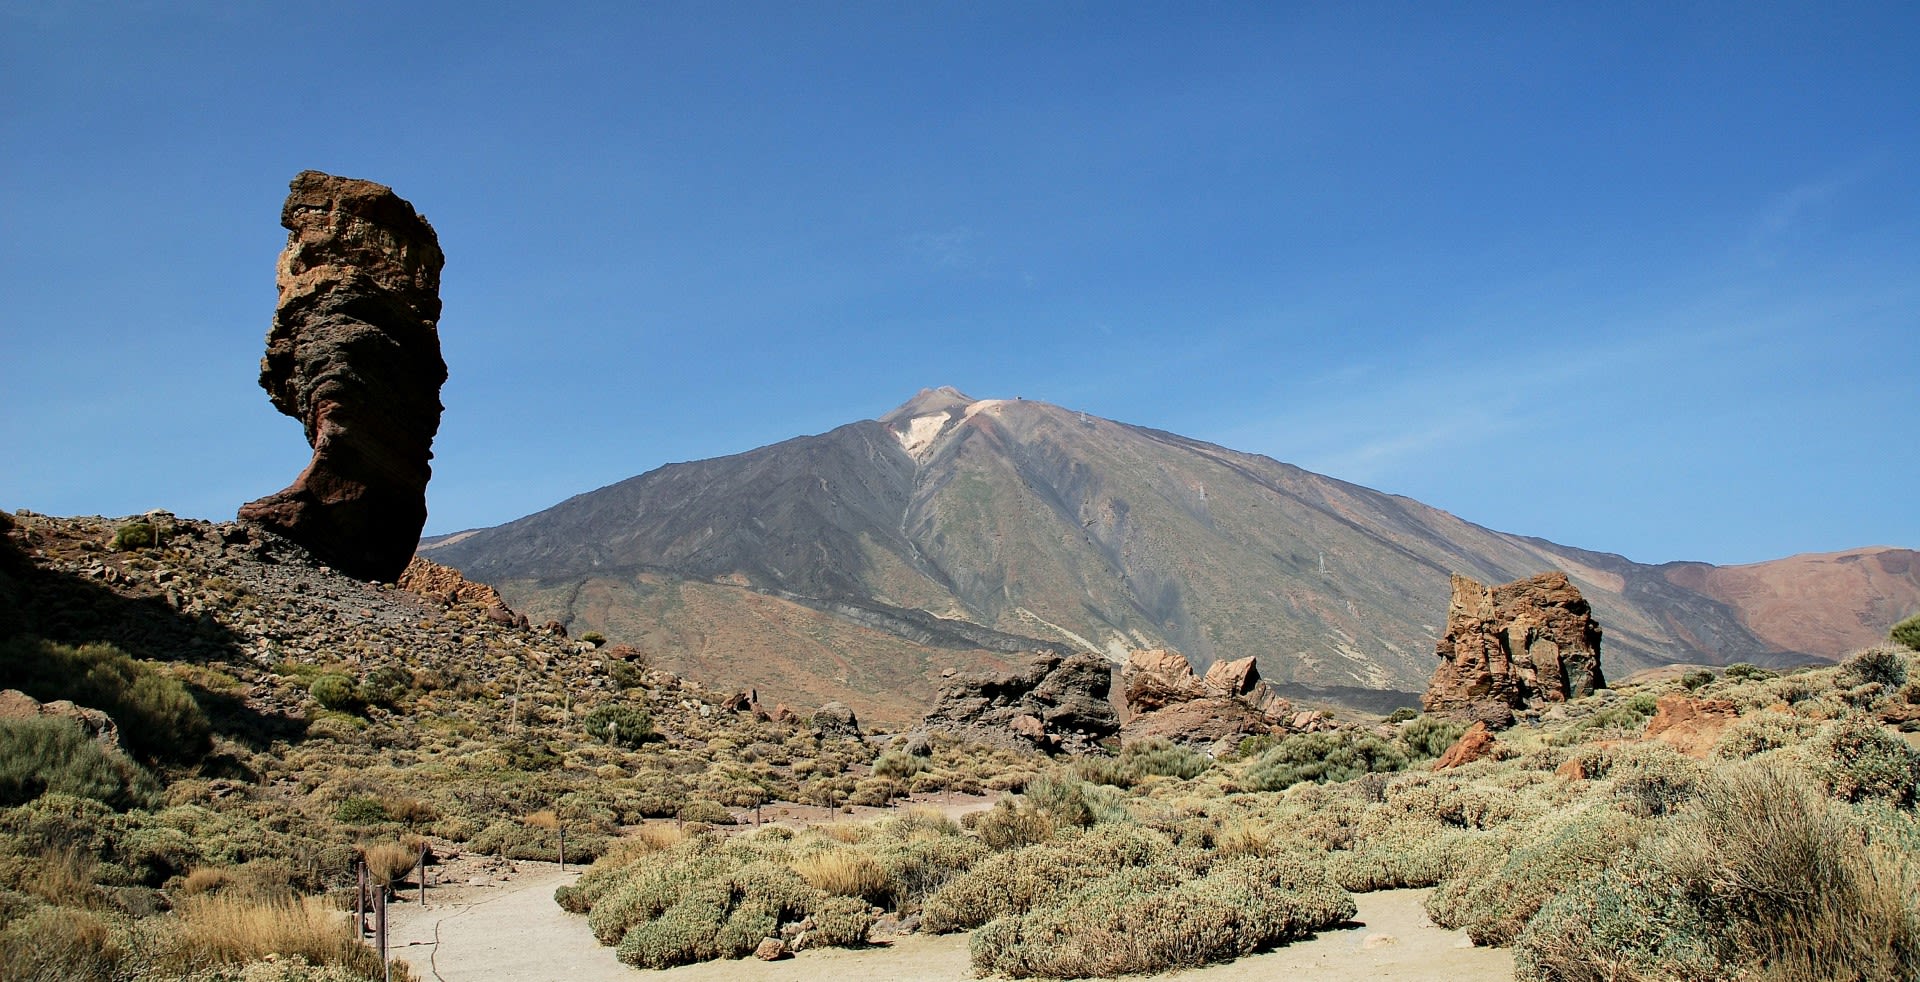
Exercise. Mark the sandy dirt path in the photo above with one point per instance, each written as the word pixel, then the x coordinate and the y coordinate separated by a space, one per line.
pixel 510 930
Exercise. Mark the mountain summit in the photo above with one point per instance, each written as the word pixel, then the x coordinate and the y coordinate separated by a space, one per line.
pixel 859 563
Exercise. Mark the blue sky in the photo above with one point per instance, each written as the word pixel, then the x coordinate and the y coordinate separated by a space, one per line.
pixel 1643 279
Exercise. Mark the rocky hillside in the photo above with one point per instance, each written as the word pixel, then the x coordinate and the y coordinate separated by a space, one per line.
pixel 955 528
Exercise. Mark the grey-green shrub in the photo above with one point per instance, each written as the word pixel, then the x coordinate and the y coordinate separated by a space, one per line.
pixel 47 754
pixel 1565 849
pixel 1857 758
pixel 1340 755
pixel 1154 918
pixel 1016 882
pixel 1763 879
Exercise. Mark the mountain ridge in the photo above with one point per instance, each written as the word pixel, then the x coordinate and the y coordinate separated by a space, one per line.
pixel 1032 521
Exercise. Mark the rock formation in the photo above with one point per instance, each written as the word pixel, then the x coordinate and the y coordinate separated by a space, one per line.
pixel 1516 646
pixel 354 355
pixel 1164 698
pixel 1056 702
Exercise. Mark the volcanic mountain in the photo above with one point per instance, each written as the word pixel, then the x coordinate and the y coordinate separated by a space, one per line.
pixel 953 532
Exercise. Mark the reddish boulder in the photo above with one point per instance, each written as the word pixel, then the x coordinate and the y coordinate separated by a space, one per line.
pixel 1517 646
pixel 1475 744
pixel 427 578
pixel 354 355
pixel 1691 726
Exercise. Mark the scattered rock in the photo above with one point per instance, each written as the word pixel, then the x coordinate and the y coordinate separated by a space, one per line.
pixel 772 950
pixel 1691 726
pixel 354 355
pixel 835 719
pixel 1475 744
pixel 1520 645
pixel 445 584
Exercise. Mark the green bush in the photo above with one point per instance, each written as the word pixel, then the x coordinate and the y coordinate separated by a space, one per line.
pixel 335 692
pixel 899 764
pixel 1340 755
pixel 360 810
pixel 707 812
pixel 626 674
pixel 1428 737
pixel 1019 881
pixel 1403 714
pixel 1906 632
pixel 1885 667
pixel 1697 679
pixel 620 724
pixel 133 536
pixel 50 754
pixel 1743 672
pixel 158 718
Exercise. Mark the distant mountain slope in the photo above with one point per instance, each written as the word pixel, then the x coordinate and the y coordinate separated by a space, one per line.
pixel 1042 523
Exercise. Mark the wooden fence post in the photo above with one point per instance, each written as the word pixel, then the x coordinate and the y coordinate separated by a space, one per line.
pixel 380 930
pixel 561 826
pixel 360 899
pixel 421 871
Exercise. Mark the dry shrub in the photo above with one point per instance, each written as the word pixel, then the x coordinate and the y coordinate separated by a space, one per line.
pixel 206 879
pixel 1561 850
pixel 1856 759
pixel 51 944
pixel 1756 733
pixel 921 864
pixel 1153 918
pixel 1764 879
pixel 216 931
pixel 1018 881
pixel 845 872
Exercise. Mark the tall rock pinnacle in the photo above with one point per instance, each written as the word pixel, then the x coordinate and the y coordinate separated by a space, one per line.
pixel 354 355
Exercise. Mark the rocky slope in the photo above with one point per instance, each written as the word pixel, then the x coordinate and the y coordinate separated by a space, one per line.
pixel 952 516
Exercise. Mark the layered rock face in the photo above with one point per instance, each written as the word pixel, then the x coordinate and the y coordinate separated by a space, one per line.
pixel 1516 646
pixel 354 355
pixel 1056 702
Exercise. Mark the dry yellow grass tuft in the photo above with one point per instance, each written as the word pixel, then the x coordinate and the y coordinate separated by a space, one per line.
pixel 847 872
pixel 389 862
pixel 217 931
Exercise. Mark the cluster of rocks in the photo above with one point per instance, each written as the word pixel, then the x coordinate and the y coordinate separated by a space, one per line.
pixel 354 355
pixel 1064 702
pixel 1520 645
pixel 1164 698
pixel 1058 702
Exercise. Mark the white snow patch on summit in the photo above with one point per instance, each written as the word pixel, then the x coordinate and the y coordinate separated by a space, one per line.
pixel 921 431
